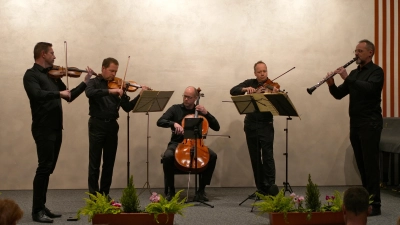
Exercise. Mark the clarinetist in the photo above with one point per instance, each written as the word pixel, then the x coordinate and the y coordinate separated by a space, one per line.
pixel 364 85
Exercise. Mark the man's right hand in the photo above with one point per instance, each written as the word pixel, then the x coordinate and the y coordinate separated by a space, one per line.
pixel 116 91
pixel 178 129
pixel 249 90
pixel 66 94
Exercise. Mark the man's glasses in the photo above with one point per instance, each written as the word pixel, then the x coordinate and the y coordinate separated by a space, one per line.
pixel 358 51
pixel 188 97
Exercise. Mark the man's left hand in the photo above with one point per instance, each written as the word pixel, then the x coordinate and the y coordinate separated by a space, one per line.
pixel 201 109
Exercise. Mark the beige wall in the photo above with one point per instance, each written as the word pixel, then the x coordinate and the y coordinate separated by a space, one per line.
pixel 212 44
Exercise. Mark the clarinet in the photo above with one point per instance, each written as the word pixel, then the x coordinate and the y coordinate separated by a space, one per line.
pixel 312 89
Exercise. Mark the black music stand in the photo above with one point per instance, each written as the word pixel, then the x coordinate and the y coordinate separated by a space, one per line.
pixel 278 104
pixel 193 130
pixel 150 101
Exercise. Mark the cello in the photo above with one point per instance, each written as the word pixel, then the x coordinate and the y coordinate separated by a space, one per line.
pixel 192 155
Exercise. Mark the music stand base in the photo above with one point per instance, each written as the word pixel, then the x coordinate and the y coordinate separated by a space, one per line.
pixel 202 202
pixel 288 188
pixel 251 197
pixel 146 186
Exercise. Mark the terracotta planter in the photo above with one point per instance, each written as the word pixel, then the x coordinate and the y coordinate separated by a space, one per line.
pixel 132 218
pixel 317 218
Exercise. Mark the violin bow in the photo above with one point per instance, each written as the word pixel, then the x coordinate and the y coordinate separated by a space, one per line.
pixel 283 74
pixel 126 70
pixel 66 64
pixel 123 82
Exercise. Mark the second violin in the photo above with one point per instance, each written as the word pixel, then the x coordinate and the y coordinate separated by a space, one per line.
pixel 116 83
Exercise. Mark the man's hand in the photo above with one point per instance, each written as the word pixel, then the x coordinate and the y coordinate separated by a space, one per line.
pixel 342 72
pixel 88 75
pixel 116 91
pixel 66 94
pixel 145 88
pixel 249 90
pixel 330 81
pixel 201 109
pixel 178 129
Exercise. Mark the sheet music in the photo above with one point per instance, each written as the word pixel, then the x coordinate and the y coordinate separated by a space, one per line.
pixel 243 104
pixel 152 101
pixel 264 104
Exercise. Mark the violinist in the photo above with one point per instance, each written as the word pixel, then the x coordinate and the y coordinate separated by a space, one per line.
pixel 172 118
pixel 259 130
pixel 45 94
pixel 104 104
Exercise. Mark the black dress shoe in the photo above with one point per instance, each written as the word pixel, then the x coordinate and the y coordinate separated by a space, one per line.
pixel 273 190
pixel 169 196
pixel 41 217
pixel 200 196
pixel 50 214
pixel 376 211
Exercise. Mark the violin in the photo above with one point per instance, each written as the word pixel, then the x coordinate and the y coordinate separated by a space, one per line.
pixel 117 82
pixel 58 72
pixel 185 160
pixel 268 84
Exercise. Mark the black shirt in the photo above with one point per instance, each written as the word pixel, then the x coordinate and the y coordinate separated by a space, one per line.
pixel 256 117
pixel 365 87
pixel 176 113
pixel 104 105
pixel 44 97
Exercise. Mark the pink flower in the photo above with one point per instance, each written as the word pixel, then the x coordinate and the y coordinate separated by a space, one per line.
pixel 327 197
pixel 117 204
pixel 301 198
pixel 332 197
pixel 292 195
pixel 154 197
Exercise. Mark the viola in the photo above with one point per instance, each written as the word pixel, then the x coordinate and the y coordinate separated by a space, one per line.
pixel 116 83
pixel 185 159
pixel 268 84
pixel 58 72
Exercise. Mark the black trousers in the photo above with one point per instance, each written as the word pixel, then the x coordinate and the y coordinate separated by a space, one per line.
pixel 365 142
pixel 169 168
pixel 260 143
pixel 103 141
pixel 48 144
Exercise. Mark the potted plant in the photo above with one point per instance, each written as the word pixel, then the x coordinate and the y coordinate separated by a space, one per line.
pixel 101 210
pixel 289 210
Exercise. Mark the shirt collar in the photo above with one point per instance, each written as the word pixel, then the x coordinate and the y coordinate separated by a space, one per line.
pixel 183 106
pixel 41 69
pixel 366 66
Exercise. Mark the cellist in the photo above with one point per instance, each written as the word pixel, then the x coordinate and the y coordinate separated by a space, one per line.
pixel 172 118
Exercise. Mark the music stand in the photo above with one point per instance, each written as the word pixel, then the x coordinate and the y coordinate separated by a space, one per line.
pixel 193 130
pixel 278 104
pixel 150 101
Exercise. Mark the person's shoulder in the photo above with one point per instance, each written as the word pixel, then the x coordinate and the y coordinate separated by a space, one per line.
pixel 177 105
pixel 374 66
pixel 34 71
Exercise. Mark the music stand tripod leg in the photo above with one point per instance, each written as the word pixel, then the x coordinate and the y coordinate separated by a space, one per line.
pixel 286 154
pixel 147 184
pixel 249 197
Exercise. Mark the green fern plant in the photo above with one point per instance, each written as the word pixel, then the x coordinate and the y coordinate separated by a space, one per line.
pixel 129 199
pixel 175 206
pixel 97 204
pixel 278 203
